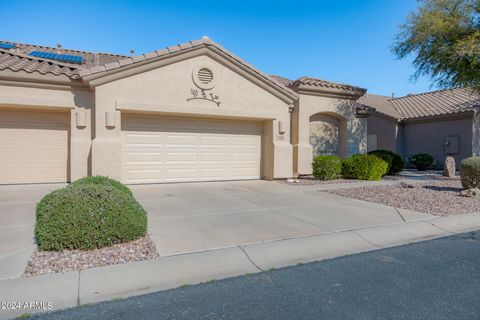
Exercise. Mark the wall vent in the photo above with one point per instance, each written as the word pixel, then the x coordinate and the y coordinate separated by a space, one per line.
pixel 205 76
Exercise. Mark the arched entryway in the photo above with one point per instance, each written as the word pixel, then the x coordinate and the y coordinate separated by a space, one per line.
pixel 328 134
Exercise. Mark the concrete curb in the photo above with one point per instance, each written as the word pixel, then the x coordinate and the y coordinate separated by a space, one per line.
pixel 99 284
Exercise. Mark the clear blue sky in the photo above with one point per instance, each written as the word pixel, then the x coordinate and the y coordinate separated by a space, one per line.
pixel 343 40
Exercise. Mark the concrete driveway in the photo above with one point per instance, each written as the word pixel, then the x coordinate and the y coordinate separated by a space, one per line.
pixel 192 217
pixel 17 221
pixel 195 217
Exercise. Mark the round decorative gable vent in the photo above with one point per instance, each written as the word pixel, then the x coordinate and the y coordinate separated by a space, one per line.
pixel 204 78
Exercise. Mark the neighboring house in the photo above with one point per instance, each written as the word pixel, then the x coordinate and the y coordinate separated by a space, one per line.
pixel 190 112
pixel 440 123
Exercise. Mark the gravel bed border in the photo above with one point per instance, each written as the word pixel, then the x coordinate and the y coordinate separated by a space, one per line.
pixel 436 197
pixel 47 262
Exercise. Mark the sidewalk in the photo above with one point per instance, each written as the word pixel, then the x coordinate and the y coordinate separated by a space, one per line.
pixel 98 284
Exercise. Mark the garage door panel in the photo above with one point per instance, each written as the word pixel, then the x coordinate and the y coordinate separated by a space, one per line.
pixel 213 140
pixel 189 150
pixel 214 156
pixel 34 146
pixel 143 139
pixel 143 157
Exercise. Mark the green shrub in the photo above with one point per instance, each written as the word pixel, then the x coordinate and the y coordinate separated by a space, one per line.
pixel 470 172
pixel 327 167
pixel 364 167
pixel 422 161
pixel 87 216
pixel 106 181
pixel 395 161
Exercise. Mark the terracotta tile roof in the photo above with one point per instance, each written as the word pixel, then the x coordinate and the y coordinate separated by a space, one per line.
pixel 382 104
pixel 314 82
pixel 90 59
pixel 436 103
pixel 441 102
pixel 19 62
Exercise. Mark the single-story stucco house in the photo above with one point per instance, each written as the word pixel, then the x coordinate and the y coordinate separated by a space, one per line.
pixel 190 112
pixel 440 123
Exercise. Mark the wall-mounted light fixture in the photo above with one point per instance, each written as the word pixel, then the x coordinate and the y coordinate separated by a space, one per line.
pixel 281 127
pixel 81 119
pixel 110 119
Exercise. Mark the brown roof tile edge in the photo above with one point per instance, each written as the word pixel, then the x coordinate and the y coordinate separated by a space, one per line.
pixel 73 70
pixel 309 81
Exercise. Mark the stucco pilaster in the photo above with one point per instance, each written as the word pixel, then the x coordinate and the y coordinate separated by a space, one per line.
pixel 106 144
pixel 81 134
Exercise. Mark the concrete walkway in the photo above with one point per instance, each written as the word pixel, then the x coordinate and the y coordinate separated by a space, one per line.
pixel 217 230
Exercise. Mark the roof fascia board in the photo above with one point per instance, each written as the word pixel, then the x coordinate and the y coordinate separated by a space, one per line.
pixel 211 51
pixel 22 78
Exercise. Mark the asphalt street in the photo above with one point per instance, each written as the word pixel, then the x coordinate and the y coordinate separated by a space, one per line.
pixel 437 279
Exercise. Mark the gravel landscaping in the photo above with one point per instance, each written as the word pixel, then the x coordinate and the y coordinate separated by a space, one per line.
pixel 310 181
pixel 439 197
pixel 43 262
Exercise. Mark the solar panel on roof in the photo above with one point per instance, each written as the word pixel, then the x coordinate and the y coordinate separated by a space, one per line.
pixel 55 56
pixel 4 45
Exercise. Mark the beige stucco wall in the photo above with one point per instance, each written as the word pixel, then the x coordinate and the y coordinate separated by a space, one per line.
pixel 70 99
pixel 165 89
pixel 429 136
pixel 343 109
pixel 386 130
pixel 325 134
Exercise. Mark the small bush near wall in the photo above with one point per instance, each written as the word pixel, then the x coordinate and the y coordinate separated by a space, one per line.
pixel 394 160
pixel 327 167
pixel 94 213
pixel 470 172
pixel 422 161
pixel 364 167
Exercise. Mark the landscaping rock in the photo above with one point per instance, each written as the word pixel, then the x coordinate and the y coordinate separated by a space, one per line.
pixel 449 167
pixel 406 185
pixel 437 197
pixel 43 262
pixel 473 192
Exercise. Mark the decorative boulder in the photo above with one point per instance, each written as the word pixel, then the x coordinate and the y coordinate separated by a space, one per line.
pixel 449 167
pixel 473 192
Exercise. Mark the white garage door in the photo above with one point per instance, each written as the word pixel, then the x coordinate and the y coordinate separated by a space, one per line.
pixel 176 150
pixel 33 146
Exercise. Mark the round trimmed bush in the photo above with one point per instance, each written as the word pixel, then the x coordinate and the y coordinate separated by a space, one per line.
pixel 88 216
pixel 364 167
pixel 470 172
pixel 106 181
pixel 395 161
pixel 422 161
pixel 327 167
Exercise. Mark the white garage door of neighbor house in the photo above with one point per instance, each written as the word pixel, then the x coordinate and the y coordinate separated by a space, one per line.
pixel 33 146
pixel 158 149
